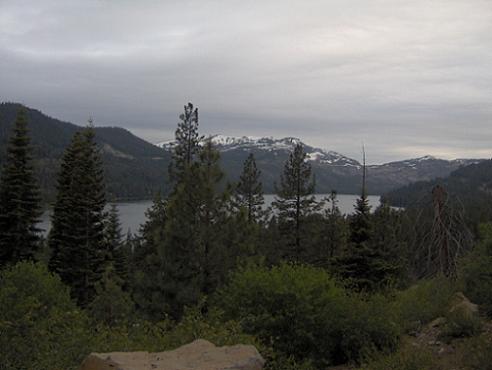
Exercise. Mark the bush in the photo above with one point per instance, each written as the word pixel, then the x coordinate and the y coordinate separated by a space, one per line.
pixel 478 354
pixel 299 312
pixel 461 323
pixel 111 306
pixel 368 326
pixel 423 302
pixel 40 327
pixel 403 360
pixel 166 335
pixel 476 271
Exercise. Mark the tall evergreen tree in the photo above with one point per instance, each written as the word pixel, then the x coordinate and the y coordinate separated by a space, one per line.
pixel 149 285
pixel 192 257
pixel 19 198
pixel 187 141
pixel 364 265
pixel 360 222
pixel 334 233
pixel 77 235
pixel 113 238
pixel 152 231
pixel 248 193
pixel 295 200
pixel 212 217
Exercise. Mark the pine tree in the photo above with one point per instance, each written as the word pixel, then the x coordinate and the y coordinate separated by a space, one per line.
pixel 147 278
pixel 212 217
pixel 187 141
pixel 111 305
pixel 171 258
pixel 364 265
pixel 152 231
pixel 249 192
pixel 77 235
pixel 295 200
pixel 19 198
pixel 334 233
pixel 360 223
pixel 114 244
pixel 193 261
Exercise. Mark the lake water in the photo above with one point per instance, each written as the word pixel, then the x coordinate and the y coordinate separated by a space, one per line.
pixel 132 214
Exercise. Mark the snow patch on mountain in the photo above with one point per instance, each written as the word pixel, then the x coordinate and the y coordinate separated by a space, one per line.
pixel 275 146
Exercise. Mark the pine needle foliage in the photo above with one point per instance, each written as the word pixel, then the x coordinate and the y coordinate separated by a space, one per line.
pixel 19 198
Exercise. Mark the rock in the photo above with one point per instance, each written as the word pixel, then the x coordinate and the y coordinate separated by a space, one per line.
pixel 447 350
pixel 440 321
pixel 463 304
pixel 434 343
pixel 198 355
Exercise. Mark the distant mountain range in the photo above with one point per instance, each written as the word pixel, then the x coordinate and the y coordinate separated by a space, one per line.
pixel 333 170
pixel 469 182
pixel 135 168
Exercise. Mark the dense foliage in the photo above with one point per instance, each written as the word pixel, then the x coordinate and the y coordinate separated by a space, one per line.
pixel 37 316
pixel 76 240
pixel 301 312
pixel 19 198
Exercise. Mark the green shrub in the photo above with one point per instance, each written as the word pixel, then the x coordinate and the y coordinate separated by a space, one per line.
pixel 299 312
pixel 111 306
pixel 476 271
pixel 143 335
pixel 423 302
pixel 478 354
pixel 403 360
pixel 40 327
pixel 367 326
pixel 461 323
pixel 287 363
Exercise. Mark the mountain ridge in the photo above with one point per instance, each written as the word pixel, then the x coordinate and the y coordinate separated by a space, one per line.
pixel 136 169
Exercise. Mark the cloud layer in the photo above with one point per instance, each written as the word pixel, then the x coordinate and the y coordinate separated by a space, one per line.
pixel 407 78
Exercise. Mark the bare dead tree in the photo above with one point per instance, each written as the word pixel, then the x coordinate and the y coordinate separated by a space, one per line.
pixel 439 243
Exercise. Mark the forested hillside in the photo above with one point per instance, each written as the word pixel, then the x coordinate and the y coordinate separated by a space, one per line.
pixel 134 168
pixel 469 188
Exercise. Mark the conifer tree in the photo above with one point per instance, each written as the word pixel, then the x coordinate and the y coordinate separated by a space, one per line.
pixel 187 141
pixel 19 198
pixel 249 191
pixel 111 305
pixel 191 255
pixel 295 200
pixel 212 217
pixel 364 265
pixel 171 256
pixel 334 233
pixel 113 236
pixel 152 231
pixel 147 278
pixel 77 235
pixel 360 223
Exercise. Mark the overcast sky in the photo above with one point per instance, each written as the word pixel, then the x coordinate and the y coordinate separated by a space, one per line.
pixel 407 78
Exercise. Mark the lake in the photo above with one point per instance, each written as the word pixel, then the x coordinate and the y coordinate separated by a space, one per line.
pixel 132 214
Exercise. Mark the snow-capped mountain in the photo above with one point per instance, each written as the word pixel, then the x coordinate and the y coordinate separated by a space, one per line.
pixel 333 170
pixel 276 146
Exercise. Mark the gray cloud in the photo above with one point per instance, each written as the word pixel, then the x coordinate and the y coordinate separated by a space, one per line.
pixel 406 78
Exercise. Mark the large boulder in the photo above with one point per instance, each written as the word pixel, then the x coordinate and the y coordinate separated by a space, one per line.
pixel 198 355
pixel 461 303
